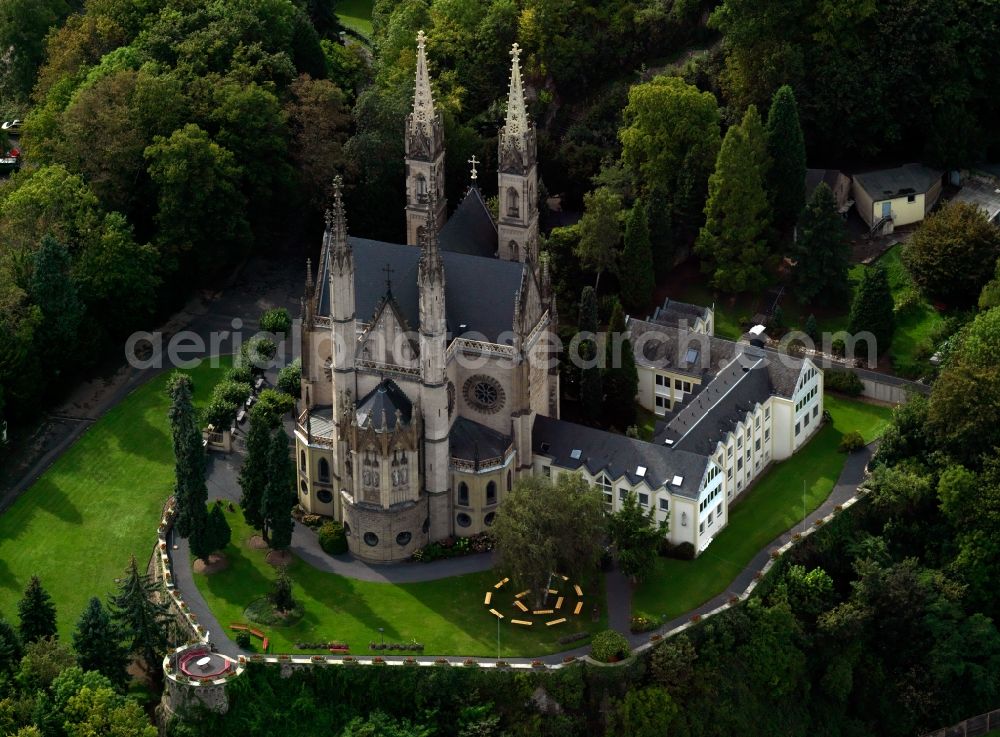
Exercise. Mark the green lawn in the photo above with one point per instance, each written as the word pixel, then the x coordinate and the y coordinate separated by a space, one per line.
pixel 913 328
pixel 448 615
pixel 97 504
pixel 356 15
pixel 773 505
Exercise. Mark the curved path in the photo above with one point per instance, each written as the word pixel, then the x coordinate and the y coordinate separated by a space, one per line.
pixel 223 472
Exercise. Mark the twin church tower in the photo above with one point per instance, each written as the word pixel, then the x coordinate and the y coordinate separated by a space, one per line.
pixel 517 177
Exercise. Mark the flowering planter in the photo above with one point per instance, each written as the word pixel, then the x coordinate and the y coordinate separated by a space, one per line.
pixel 503 664
pixel 410 661
pixel 818 522
pixel 568 659
pixel 696 618
pixel 378 660
pixel 441 661
pixel 775 554
pixel 758 576
pixel 734 600
pixel 655 638
pixel 537 664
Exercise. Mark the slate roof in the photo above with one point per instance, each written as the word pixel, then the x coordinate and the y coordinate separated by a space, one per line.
pixel 617 455
pixel 704 420
pixel 480 293
pixel 666 346
pixel 907 179
pixel 379 407
pixel 672 312
pixel 815 176
pixel 470 229
pixel 470 441
pixel 321 422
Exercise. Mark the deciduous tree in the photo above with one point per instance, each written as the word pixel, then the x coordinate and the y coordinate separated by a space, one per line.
pixel 636 535
pixel 600 231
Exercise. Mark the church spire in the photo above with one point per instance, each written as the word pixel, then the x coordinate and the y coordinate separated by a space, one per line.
pixel 336 226
pixel 430 265
pixel 424 144
pixel 423 98
pixel 517 116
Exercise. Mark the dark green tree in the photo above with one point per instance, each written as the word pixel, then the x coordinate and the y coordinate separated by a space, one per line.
pixel 600 231
pixel 733 241
pixel 620 379
pixel 54 291
pixel 10 647
pixel 952 255
pixel 811 328
pixel 635 267
pixel 278 500
pixel 98 644
pixel 218 528
pixel 253 473
pixel 786 180
pixel 141 616
pixel 661 231
pixel 36 613
pixel 591 388
pixel 872 309
pixel 281 592
pixel 635 534
pixel 822 250
pixel 190 490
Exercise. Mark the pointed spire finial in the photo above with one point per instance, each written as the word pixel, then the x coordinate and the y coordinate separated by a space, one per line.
pixel 309 273
pixel 423 98
pixel 474 161
pixel 517 115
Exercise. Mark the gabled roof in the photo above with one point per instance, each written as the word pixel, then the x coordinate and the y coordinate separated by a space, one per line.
pixel 666 346
pixel 815 176
pixel 672 312
pixel 889 183
pixel 470 229
pixel 576 446
pixel 707 418
pixel 470 441
pixel 480 293
pixel 379 408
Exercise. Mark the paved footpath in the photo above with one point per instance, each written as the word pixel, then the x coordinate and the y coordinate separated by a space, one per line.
pixel 223 473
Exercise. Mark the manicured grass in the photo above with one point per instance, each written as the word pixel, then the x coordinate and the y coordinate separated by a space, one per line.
pixel 773 505
pixel 356 15
pixel 448 616
pixel 97 504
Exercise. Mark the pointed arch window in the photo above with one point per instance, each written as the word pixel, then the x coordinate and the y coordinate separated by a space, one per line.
pixel 421 187
pixel 515 251
pixel 463 494
pixel 491 492
pixel 513 203
pixel 324 471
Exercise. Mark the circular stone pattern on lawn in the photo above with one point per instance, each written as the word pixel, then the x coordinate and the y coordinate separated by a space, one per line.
pixel 262 611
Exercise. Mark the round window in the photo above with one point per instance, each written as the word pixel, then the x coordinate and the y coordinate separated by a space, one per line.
pixel 324 496
pixel 489 518
pixel 463 519
pixel 483 393
pixel 403 539
pixel 371 539
pixel 427 525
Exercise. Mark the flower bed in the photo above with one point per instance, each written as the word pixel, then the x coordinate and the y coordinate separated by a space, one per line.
pixel 454 547
pixel 411 646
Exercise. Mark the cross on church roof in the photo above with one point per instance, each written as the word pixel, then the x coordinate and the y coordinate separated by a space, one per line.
pixel 515 51
pixel 474 161
pixel 388 278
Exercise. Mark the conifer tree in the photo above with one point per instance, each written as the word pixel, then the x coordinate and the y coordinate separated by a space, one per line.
pixel 753 126
pixel 220 532
pixel 635 268
pixel 276 506
pixel 812 329
pixel 591 389
pixel 37 613
pixel 635 534
pixel 98 644
pixel 621 379
pixel 822 250
pixel 733 243
pixel 253 474
pixel 53 290
pixel 140 615
pixel 190 491
pixel 10 647
pixel 786 181
pixel 872 309
pixel 661 231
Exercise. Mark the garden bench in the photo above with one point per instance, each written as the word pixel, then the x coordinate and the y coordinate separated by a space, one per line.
pixel 500 583
pixel 579 606
pixel 520 605
pixel 522 594
pixel 258 634
pixel 577 589
pixel 555 621
pixel 496 614
pixel 264 644
pixel 559 602
pixel 239 627
pixel 542 611
pixel 521 622
pixel 553 591
pixel 489 597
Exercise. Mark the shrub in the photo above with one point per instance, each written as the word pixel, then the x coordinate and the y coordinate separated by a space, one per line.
pixel 643 624
pixel 227 397
pixel 241 374
pixel 290 378
pixel 609 646
pixel 575 637
pixel 907 301
pixel 243 640
pixel 274 404
pixel 276 321
pixel 315 521
pixel 683 551
pixel 851 442
pixel 257 353
pixel 845 382
pixel 332 538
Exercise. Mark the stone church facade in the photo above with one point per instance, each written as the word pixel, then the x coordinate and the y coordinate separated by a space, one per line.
pixel 430 382
pixel 425 364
